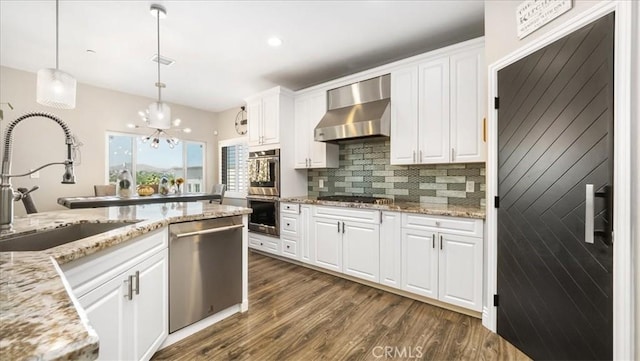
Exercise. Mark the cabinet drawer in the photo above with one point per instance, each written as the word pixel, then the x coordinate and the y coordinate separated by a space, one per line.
pixel 266 244
pixel 348 214
pixel 289 225
pixel 455 225
pixel 289 248
pixel 292 208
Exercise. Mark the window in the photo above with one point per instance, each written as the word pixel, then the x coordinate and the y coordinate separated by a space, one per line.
pixel 148 165
pixel 234 154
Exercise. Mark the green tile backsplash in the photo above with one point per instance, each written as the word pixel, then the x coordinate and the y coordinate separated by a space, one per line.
pixel 365 170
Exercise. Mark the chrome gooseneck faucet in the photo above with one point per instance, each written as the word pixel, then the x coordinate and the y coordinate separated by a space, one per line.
pixel 7 195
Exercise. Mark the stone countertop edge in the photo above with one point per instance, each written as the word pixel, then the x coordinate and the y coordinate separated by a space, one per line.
pixel 41 319
pixel 407 207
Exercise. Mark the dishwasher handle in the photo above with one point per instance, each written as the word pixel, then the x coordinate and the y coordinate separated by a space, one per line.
pixel 207 231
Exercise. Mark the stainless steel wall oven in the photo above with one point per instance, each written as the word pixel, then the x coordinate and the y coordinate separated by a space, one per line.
pixel 264 172
pixel 266 215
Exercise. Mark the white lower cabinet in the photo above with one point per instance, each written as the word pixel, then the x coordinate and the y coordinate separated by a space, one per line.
pixel 460 271
pixel 306 254
pixel 442 259
pixel 124 292
pixel 130 320
pixel 327 243
pixel 439 257
pixel 346 240
pixel 361 250
pixel 419 263
pixel 391 249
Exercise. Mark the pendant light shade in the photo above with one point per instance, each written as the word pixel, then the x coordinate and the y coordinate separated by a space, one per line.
pixel 54 87
pixel 159 115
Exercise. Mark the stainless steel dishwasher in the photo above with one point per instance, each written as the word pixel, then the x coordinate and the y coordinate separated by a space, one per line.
pixel 205 269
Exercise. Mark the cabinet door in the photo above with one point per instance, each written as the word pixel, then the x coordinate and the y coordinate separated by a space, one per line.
pixel 361 250
pixel 327 243
pixel 434 112
pixel 301 132
pixel 420 262
pixel 404 116
pixel 460 271
pixel 306 249
pixel 150 305
pixel 271 119
pixel 468 107
pixel 391 249
pixel 107 310
pixel 321 154
pixel 254 120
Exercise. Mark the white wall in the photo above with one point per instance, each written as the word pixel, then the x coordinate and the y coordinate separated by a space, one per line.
pixel 501 39
pixel 38 140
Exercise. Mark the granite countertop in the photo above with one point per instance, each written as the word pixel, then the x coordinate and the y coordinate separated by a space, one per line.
pixel 110 201
pixel 409 207
pixel 40 317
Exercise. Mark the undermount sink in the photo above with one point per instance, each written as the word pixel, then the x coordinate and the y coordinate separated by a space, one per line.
pixel 50 238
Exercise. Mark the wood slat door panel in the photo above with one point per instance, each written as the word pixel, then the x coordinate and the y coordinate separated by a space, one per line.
pixel 554 137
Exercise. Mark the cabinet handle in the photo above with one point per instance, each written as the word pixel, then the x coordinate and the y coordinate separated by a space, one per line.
pixel 440 242
pixel 338 226
pixel 137 276
pixel 433 241
pixel 288 246
pixel 414 156
pixel 588 214
pixel 288 224
pixel 342 227
pixel 420 155
pixel 484 130
pixel 453 154
pixel 299 208
pixel 129 283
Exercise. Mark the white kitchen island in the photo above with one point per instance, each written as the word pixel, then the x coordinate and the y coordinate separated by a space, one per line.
pixel 41 315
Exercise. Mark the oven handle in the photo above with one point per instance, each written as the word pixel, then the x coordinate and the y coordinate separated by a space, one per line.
pixel 207 231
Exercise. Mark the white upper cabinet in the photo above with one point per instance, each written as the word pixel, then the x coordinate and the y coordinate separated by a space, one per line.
pixel 404 115
pixel 309 109
pixel 263 115
pixel 437 109
pixel 468 108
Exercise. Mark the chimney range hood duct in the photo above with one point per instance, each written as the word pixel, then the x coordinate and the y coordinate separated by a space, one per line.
pixel 356 111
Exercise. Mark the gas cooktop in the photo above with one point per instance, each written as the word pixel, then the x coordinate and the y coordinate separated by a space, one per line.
pixel 357 199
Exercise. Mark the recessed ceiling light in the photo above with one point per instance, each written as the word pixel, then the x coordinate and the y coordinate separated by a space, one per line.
pixel 274 41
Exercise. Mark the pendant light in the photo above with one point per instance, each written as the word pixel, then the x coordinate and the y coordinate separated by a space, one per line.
pixel 56 88
pixel 158 114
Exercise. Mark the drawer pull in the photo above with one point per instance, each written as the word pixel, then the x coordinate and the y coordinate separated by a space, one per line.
pixel 129 283
pixel 288 246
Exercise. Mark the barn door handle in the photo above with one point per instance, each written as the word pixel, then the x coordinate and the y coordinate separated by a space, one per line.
pixel 588 214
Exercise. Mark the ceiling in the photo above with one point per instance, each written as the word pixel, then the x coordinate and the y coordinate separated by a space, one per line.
pixel 220 47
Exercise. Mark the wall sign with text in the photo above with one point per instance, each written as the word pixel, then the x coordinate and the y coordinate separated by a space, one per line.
pixel 534 14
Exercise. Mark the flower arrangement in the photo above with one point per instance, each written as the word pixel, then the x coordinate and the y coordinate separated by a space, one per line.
pixel 178 184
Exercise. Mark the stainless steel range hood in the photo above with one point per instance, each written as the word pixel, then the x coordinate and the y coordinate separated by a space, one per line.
pixel 356 111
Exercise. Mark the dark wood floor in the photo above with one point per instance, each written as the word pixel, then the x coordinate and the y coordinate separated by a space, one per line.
pixel 296 313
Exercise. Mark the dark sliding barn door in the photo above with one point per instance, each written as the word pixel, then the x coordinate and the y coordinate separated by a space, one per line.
pixel 555 138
